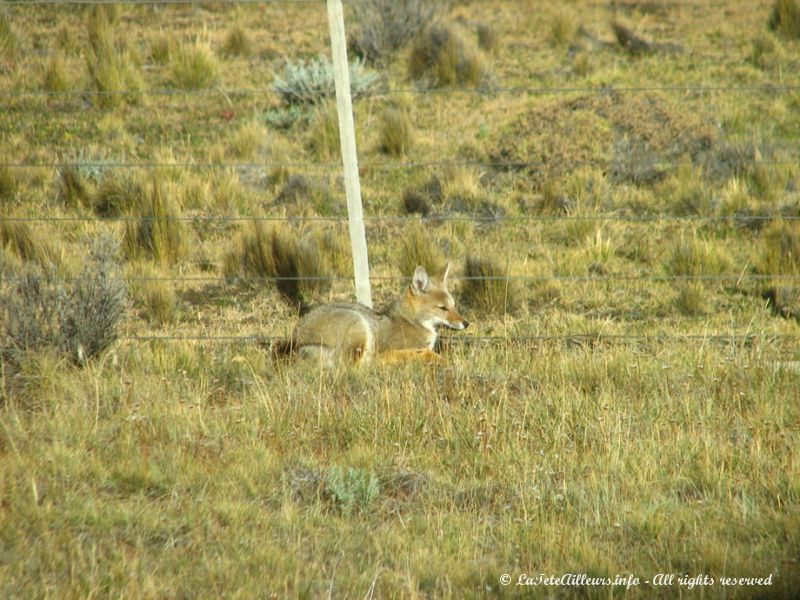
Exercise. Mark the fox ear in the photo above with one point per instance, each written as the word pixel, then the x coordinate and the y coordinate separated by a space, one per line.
pixel 420 281
pixel 445 273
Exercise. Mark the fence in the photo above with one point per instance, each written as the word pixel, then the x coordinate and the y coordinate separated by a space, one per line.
pixel 168 94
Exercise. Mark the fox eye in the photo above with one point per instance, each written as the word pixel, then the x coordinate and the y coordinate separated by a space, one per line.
pixel 442 308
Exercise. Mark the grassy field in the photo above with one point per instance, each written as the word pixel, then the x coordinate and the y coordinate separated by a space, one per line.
pixel 625 403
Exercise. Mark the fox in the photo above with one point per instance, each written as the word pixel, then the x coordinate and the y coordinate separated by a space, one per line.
pixel 406 329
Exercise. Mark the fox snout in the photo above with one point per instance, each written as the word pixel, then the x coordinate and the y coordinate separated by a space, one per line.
pixel 457 322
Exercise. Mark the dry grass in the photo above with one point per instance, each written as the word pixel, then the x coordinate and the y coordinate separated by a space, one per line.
pixel 396 132
pixel 615 421
pixel 445 56
pixel 193 66
pixel 153 229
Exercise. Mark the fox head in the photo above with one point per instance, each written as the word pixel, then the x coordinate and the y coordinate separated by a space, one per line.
pixel 432 302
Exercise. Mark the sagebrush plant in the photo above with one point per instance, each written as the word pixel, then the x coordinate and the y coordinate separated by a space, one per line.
pixel 311 81
pixel 79 318
pixel 444 56
pixel 193 66
pixel 385 26
pixel 351 490
pixel 487 286
pixel 153 229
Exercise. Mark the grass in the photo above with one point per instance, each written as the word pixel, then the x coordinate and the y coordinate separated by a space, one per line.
pixel 614 413
pixel 193 66
pixel 396 132
pixel 445 56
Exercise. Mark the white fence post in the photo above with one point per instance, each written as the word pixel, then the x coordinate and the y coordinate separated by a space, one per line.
pixel 347 136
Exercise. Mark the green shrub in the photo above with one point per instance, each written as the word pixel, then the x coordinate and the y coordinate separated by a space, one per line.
pixel 310 82
pixel 352 490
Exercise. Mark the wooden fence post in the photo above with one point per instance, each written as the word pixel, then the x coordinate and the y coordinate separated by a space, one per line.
pixel 347 136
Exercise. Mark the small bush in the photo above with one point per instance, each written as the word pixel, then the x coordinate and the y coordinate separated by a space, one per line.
pixel 487 287
pixel 419 249
pixel 193 66
pixel 154 230
pixel 351 491
pixel 785 18
pixel 385 26
pixel 277 252
pixel 80 320
pixel 396 132
pixel 237 43
pixel 310 82
pixel 444 57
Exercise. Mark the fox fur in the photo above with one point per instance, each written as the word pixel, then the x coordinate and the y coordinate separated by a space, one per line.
pixel 405 330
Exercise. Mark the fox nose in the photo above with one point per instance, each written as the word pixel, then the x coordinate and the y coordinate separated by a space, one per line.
pixel 466 323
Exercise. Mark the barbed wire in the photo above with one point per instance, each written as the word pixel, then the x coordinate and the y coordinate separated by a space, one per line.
pixel 733 338
pixel 514 90
pixel 479 219
pixel 383 165
pixel 235 279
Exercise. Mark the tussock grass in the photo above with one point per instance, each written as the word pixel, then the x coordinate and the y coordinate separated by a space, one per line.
pixel 9 183
pixel 692 299
pixel 153 230
pixel 161 48
pixel 118 194
pixel 785 18
pixel 9 40
pixel 193 66
pixel 697 257
pixel 154 297
pixel 445 56
pixel 247 140
pixel 112 69
pixel 562 29
pixel 237 42
pixel 29 244
pixel 780 249
pixel 419 249
pixel 73 189
pixel 323 132
pixel 396 132
pixel 488 38
pixel 278 252
pixel 56 77
pixel 487 287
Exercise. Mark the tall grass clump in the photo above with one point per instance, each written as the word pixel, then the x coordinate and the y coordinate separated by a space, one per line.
pixel 79 319
pixel 29 244
pixel 311 81
pixel 396 131
pixel 562 29
pixel 419 249
pixel 693 257
pixel 278 253
pixel 780 249
pixel 153 230
pixel 785 18
pixel 8 183
pixel 323 131
pixel 8 38
pixel 155 299
pixel 237 42
pixel 112 69
pixel 118 194
pixel 193 66
pixel 385 26
pixel 486 286
pixel 444 56
pixel 72 189
pixel 55 78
